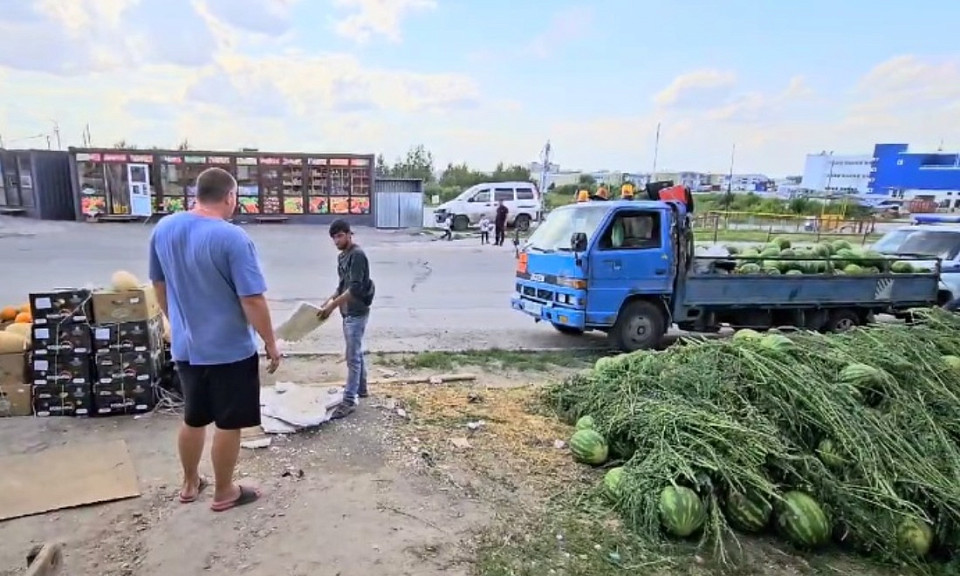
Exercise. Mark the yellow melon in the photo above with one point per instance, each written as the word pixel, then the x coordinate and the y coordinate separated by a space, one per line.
pixel 11 343
pixel 22 329
pixel 123 281
pixel 8 314
pixel 23 318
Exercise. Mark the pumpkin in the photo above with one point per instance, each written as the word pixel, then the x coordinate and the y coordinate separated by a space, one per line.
pixel 23 318
pixel 22 329
pixel 11 342
pixel 25 307
pixel 8 314
pixel 123 281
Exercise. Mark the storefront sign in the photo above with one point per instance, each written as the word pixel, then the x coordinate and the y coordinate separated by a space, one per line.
pixel 172 160
pixel 246 161
pixel 317 161
pixel 195 159
pixel 360 162
pixel 218 160
pixel 88 158
pixel 293 161
pixel 114 157
pixel 270 161
pixel 339 161
pixel 141 158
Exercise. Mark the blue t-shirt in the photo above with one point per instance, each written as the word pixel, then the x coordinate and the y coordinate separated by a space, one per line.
pixel 207 265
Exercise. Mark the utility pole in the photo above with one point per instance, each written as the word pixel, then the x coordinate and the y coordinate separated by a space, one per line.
pixel 56 134
pixel 733 156
pixel 656 152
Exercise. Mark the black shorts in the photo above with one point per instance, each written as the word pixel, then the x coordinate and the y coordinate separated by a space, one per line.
pixel 227 395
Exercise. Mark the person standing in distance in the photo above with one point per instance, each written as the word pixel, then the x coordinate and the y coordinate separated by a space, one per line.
pixel 353 298
pixel 208 281
pixel 500 223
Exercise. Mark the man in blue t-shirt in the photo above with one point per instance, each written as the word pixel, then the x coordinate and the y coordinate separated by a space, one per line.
pixel 208 280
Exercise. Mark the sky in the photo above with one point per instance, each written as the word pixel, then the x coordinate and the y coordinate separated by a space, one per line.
pixel 488 81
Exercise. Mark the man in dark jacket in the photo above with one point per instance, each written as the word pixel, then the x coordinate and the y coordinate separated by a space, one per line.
pixel 353 298
pixel 500 223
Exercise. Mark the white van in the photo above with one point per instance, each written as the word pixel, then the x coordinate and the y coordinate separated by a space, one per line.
pixel 522 199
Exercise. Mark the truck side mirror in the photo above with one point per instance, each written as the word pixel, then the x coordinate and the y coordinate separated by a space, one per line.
pixel 578 242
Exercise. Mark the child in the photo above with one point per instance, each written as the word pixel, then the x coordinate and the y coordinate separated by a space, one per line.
pixel 447 228
pixel 485 230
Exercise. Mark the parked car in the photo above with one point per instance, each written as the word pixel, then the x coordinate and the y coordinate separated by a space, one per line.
pixel 522 199
pixel 935 241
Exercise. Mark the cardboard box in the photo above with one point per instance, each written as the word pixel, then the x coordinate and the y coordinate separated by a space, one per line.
pixel 64 338
pixel 15 400
pixel 127 368
pixel 111 399
pixel 13 369
pixel 137 336
pixel 111 306
pixel 59 306
pixel 61 370
pixel 45 407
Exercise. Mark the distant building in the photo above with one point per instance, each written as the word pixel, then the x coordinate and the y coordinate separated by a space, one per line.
pixel 829 172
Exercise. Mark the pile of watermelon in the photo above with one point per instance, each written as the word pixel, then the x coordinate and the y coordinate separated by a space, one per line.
pixel 849 440
pixel 837 257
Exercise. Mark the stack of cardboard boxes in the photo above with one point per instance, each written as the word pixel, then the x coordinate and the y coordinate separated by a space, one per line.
pixel 14 385
pixel 93 353
pixel 128 345
pixel 61 364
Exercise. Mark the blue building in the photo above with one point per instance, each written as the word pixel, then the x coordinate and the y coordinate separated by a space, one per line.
pixel 899 173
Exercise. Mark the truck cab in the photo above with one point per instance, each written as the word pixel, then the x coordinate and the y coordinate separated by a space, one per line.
pixel 627 253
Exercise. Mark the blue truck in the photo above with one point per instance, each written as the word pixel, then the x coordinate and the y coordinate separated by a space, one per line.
pixel 628 268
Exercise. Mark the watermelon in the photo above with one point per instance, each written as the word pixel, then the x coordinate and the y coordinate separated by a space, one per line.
pixel 777 342
pixel 861 375
pixel 681 511
pixel 802 521
pixel 771 270
pixel 901 268
pixel 585 423
pixel 852 270
pixel 828 454
pixel 750 254
pixel 611 483
pixel 747 512
pixel 793 272
pixel 745 334
pixel 838 245
pixel 953 362
pixel 589 447
pixel 822 250
pixel 788 253
pixel 770 252
pixel 749 268
pixel 781 242
pixel 914 537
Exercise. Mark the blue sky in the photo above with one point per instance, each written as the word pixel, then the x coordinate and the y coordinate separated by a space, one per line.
pixel 487 81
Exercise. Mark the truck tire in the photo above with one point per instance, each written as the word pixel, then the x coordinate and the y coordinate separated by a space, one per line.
pixel 461 223
pixel 842 320
pixel 568 330
pixel 640 326
pixel 522 223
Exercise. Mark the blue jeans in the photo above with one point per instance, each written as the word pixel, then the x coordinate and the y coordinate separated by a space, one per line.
pixel 353 328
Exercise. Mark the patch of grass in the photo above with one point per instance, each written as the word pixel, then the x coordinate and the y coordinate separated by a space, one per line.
pixel 496 358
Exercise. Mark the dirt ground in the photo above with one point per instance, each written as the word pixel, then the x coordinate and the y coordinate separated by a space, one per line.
pixel 355 497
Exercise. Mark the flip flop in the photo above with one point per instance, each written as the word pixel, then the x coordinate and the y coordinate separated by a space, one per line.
pixel 247 496
pixel 200 486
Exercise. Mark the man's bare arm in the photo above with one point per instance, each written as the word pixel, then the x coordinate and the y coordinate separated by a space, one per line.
pixel 257 311
pixel 160 288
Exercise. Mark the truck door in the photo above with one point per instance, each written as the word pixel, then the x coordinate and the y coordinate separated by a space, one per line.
pixel 632 255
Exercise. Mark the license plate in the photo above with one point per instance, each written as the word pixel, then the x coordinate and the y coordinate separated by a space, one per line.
pixel 534 308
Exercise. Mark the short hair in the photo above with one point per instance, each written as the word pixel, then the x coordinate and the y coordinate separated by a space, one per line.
pixel 339 226
pixel 214 185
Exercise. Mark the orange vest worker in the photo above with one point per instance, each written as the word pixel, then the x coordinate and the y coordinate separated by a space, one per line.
pixel 626 191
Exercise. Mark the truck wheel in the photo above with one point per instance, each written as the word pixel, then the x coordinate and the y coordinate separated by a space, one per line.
pixel 640 326
pixel 842 320
pixel 522 223
pixel 460 223
pixel 568 330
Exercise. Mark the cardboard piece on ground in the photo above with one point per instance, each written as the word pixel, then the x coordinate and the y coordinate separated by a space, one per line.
pixel 288 407
pixel 303 321
pixel 75 475
pixel 15 400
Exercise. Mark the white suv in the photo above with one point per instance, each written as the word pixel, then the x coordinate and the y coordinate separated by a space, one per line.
pixel 522 199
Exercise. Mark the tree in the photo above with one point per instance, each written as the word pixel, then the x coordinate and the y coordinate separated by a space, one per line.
pixel 418 163
pixel 382 168
pixel 460 176
pixel 587 180
pixel 513 173
pixel 124 145
pixel 184 145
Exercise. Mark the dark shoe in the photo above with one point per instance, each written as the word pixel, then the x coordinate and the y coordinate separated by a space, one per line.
pixel 343 410
pixel 363 394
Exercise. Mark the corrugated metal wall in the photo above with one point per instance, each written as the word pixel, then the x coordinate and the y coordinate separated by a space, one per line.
pixel 398 203
pixel 53 185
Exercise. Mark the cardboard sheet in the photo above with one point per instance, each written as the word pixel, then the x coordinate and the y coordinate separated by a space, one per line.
pixel 302 322
pixel 287 407
pixel 73 475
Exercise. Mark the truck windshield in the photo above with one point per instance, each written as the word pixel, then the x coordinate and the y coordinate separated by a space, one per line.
pixel 939 244
pixel 555 232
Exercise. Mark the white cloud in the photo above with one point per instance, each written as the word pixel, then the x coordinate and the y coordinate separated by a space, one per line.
pixel 377 17
pixel 269 17
pixel 566 25
pixel 695 88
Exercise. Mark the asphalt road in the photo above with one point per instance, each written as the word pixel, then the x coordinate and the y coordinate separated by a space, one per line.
pixel 431 295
